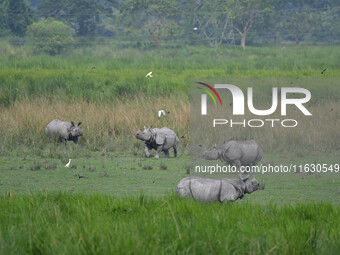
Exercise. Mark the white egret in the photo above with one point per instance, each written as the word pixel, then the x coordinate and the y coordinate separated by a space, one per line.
pixel 68 164
pixel 149 75
pixel 160 112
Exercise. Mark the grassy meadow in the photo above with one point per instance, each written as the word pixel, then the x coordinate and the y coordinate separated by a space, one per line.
pixel 113 199
pixel 96 224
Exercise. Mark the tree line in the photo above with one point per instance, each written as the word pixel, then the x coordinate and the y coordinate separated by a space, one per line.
pixel 211 22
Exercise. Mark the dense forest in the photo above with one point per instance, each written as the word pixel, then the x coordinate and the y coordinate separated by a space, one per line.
pixel 156 23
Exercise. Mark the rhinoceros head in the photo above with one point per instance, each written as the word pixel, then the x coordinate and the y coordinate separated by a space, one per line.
pixel 210 155
pixel 144 135
pixel 252 185
pixel 75 132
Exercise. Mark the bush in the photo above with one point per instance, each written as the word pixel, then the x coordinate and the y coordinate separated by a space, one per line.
pixel 50 36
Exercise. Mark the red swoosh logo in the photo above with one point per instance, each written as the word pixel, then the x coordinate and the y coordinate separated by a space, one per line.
pixel 213 90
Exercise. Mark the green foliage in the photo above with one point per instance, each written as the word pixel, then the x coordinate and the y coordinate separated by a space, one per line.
pixel 157 18
pixel 50 36
pixel 20 17
pixel 4 29
pixel 15 16
pixel 245 13
pixel 82 15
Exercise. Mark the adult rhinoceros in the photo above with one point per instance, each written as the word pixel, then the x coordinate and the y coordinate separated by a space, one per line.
pixel 240 153
pixel 159 139
pixel 216 190
pixel 65 131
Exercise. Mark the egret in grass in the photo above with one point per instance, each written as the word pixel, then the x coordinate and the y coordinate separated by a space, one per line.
pixel 149 75
pixel 68 164
pixel 160 113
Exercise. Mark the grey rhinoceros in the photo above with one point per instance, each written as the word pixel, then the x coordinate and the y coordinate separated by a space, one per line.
pixel 240 153
pixel 65 131
pixel 159 139
pixel 216 190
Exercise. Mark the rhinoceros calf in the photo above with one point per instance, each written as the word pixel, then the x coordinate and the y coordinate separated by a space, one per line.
pixel 159 139
pixel 240 153
pixel 65 131
pixel 213 190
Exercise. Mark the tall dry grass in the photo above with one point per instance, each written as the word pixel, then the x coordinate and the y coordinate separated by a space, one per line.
pixel 113 125
pixel 103 124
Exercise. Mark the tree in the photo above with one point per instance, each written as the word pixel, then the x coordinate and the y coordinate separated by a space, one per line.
pixel 50 36
pixel 3 17
pixel 301 18
pixel 155 17
pixel 82 15
pixel 19 16
pixel 212 23
pixel 245 13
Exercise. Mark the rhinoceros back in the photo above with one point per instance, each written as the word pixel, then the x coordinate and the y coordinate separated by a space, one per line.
pixel 171 137
pixel 251 151
pixel 58 128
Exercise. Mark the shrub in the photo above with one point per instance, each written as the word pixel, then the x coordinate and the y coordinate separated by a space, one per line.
pixel 50 36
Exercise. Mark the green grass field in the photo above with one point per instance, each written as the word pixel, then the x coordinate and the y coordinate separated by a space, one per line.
pixel 113 200
pixel 100 224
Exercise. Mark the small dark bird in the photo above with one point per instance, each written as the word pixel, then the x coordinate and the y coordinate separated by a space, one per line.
pixel 168 112
pixel 231 104
pixel 93 67
pixel 200 145
pixel 81 176
pixel 324 70
pixel 182 136
pixel 331 110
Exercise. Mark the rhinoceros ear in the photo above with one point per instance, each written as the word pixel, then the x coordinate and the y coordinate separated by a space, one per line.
pixel 72 124
pixel 160 138
pixel 79 124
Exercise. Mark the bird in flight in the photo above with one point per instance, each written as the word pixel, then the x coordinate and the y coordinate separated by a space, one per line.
pixel 68 164
pixel 149 75
pixel 160 113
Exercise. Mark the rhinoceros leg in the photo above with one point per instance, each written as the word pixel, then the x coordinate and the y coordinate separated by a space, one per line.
pixel 158 151
pixel 166 153
pixel 237 163
pixel 175 151
pixel 258 157
pixel 62 140
pixel 147 153
pixel 75 140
